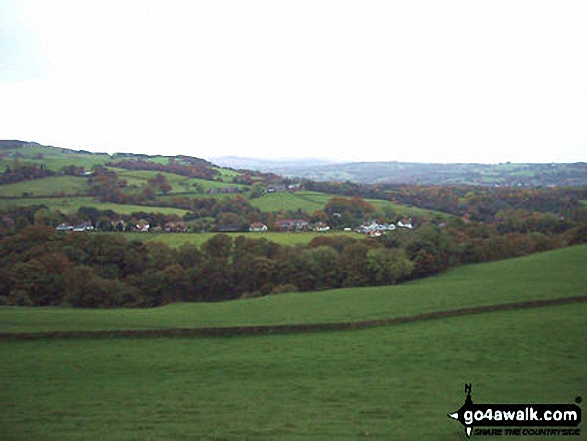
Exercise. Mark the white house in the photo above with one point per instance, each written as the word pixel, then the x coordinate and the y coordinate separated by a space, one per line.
pixel 257 227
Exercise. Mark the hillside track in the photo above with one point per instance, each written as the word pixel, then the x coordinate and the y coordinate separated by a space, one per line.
pixel 233 331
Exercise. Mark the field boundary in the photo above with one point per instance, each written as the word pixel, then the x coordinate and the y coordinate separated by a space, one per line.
pixel 232 331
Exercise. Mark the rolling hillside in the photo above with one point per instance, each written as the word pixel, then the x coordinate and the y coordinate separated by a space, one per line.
pixel 68 184
pixel 506 174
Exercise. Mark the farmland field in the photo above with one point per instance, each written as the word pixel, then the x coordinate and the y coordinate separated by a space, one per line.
pixel 55 160
pixel 553 274
pixel 307 201
pixel 396 382
pixel 226 175
pixel 310 201
pixel 52 185
pixel 70 205
pixel 179 184
pixel 69 185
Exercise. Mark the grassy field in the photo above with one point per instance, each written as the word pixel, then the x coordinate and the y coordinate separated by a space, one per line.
pixel 179 184
pixel 52 185
pixel 54 159
pixel 307 201
pixel 78 184
pixel 226 175
pixel 71 205
pixel 310 201
pixel 390 383
pixel 553 274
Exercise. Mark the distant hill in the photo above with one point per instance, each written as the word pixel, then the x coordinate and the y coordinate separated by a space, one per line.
pixel 269 165
pixel 506 174
pixel 55 156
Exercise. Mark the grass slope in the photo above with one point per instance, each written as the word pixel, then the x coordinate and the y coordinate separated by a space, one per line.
pixel 307 201
pixel 52 185
pixel 54 158
pixel 383 383
pixel 311 201
pixel 179 184
pixel 69 205
pixel 558 273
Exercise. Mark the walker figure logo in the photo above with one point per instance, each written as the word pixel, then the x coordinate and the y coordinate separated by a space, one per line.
pixel 565 417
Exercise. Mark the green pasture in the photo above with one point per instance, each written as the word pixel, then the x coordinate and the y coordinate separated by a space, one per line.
pixel 159 159
pixel 386 383
pixel 311 201
pixel 307 201
pixel 52 185
pixel 179 184
pixel 56 159
pixel 72 204
pixel 226 175
pixel 558 273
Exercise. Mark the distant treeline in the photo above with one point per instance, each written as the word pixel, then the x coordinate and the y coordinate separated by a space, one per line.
pixel 507 175
pixel 194 169
pixel 475 202
pixel 19 172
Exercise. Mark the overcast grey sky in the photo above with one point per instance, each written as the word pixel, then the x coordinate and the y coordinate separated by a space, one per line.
pixel 426 81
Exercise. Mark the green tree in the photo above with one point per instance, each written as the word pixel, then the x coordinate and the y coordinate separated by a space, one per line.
pixel 353 261
pixel 387 266
pixel 430 250
pixel 189 255
pixel 322 268
pixel 218 247
pixel 50 218
pixel 159 183
pixel 83 288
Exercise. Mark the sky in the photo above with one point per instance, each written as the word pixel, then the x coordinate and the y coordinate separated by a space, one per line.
pixel 420 81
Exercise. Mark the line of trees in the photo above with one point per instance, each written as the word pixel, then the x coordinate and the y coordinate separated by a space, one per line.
pixel 39 266
pixel 475 202
pixel 193 169
pixel 20 172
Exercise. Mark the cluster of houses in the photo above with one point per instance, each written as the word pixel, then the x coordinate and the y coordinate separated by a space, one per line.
pixel 174 227
pixel 376 229
pixel 299 225
pixel 292 225
pixel 272 188
pixel 84 226
pixel 275 188
pixel 285 226
pixel 140 227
